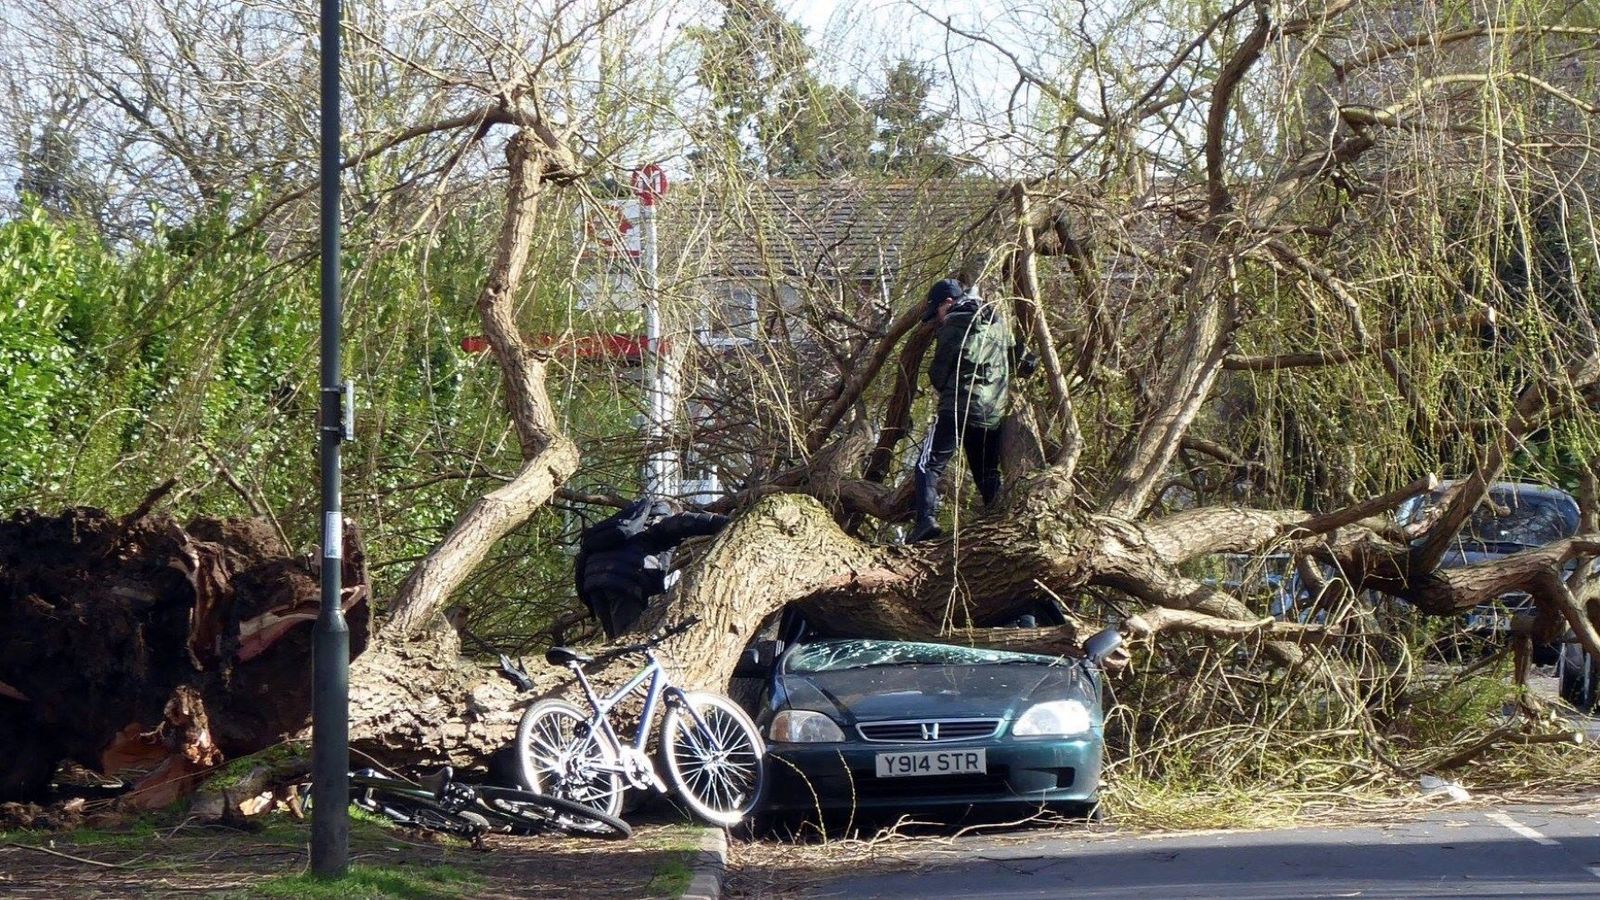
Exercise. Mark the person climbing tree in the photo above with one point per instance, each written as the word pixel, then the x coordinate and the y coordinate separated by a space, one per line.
pixel 973 360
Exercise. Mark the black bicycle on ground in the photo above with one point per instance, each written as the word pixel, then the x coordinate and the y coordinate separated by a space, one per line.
pixel 440 803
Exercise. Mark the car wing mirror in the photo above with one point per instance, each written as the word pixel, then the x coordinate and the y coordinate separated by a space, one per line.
pixel 1100 646
pixel 758 659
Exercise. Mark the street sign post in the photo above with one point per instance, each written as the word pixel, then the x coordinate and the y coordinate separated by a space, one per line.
pixel 650 184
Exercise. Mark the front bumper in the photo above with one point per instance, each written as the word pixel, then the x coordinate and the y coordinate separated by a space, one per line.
pixel 808 777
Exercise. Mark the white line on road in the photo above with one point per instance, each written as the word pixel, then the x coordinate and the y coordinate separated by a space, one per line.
pixel 1594 870
pixel 1501 818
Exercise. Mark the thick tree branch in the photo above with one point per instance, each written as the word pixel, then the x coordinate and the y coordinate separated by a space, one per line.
pixel 857 380
pixel 1194 533
pixel 1466 495
pixel 1209 331
pixel 897 418
pixel 550 458
pixel 1025 280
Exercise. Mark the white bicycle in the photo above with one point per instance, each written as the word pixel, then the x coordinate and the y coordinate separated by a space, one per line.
pixel 710 751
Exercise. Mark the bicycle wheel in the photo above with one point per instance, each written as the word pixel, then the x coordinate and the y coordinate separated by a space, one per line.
pixel 525 811
pixel 559 756
pixel 414 808
pixel 719 771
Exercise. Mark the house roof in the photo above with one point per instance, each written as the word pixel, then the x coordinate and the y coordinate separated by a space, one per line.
pixel 835 229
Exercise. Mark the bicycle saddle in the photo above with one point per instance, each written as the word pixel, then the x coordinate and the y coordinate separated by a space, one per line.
pixel 435 783
pixel 561 656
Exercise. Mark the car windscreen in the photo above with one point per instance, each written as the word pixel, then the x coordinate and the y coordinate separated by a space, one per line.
pixel 1507 517
pixel 834 656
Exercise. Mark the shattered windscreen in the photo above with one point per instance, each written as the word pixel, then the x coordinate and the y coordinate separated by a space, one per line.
pixel 834 656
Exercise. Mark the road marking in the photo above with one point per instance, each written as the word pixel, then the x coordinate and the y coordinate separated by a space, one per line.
pixel 1501 818
pixel 1594 870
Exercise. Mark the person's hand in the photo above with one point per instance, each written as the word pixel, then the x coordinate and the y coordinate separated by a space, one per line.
pixel 1028 364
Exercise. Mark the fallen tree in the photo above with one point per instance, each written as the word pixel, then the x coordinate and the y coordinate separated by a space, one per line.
pixel 1152 307
pixel 1201 250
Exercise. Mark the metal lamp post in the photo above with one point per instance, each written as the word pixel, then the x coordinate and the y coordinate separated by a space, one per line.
pixel 330 683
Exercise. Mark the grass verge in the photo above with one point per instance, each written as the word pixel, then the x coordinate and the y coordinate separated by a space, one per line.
pixel 404 882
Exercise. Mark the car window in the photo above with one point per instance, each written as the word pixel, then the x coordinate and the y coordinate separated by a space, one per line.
pixel 1507 517
pixel 833 656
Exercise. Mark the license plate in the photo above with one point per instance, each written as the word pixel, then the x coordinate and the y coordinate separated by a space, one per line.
pixel 932 762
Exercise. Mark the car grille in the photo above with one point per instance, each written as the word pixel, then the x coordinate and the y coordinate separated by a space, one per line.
pixel 928 731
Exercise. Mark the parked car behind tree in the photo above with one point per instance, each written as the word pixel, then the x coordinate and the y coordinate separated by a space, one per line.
pixel 1515 516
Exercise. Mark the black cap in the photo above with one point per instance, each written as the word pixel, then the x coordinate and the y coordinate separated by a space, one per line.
pixel 948 289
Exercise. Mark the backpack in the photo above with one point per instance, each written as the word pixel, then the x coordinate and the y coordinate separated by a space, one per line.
pixel 972 366
pixel 611 532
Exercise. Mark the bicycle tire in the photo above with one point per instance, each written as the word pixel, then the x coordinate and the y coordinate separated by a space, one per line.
pixel 723 784
pixel 558 757
pixel 527 811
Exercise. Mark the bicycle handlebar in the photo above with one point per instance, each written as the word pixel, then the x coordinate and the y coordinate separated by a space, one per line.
pixel 652 643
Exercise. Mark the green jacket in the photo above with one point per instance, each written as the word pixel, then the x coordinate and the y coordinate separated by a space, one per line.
pixel 972 363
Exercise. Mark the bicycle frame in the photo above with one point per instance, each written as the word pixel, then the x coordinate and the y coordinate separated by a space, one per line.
pixel 653 674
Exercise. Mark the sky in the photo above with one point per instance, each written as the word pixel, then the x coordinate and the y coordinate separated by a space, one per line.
pixel 857 34
pixel 855 39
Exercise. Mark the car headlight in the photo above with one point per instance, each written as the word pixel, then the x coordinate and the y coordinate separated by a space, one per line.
pixel 802 726
pixel 1054 717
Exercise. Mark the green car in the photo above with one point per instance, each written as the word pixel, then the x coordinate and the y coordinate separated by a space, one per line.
pixel 893 726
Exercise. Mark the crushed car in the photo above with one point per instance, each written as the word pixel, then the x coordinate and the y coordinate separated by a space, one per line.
pixel 886 726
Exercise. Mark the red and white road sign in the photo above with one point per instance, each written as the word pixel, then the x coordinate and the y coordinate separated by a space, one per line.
pixel 650 183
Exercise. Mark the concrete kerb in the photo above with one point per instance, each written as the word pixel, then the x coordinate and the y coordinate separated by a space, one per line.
pixel 709 868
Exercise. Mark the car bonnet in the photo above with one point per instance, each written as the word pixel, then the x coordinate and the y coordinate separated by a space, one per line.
pixel 929 691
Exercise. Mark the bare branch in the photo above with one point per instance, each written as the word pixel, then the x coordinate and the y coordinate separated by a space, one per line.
pixel 1227 83
pixel 1152 622
pixel 1327 522
pixel 1435 40
pixel 1442 326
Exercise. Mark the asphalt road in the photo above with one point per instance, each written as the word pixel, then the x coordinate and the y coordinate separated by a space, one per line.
pixel 1462 851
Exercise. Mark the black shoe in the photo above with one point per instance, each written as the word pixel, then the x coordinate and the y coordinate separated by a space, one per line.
pixel 927 530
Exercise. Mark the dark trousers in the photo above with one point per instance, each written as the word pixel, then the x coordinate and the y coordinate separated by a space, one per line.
pixel 616 612
pixel 983 457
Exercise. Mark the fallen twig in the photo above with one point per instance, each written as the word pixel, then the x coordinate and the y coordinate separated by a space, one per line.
pixel 92 862
pixel 1498 736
